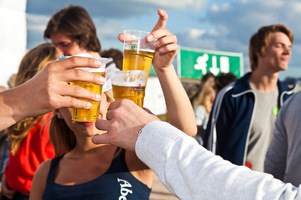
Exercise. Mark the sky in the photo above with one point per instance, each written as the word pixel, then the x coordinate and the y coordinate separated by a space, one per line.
pixel 219 25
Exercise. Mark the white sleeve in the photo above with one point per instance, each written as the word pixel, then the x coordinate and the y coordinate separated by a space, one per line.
pixel 191 172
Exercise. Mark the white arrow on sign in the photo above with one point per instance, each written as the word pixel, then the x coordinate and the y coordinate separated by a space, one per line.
pixel 225 65
pixel 214 70
pixel 202 63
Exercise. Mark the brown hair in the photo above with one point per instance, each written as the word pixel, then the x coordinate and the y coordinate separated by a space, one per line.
pixel 261 39
pixel 61 136
pixel 76 23
pixel 224 79
pixel 116 54
pixel 33 61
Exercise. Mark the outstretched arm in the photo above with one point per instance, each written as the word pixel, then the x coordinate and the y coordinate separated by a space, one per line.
pixel 48 90
pixel 179 108
pixel 191 172
pixel 184 167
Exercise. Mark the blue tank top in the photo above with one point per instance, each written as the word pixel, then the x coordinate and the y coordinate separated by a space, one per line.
pixel 117 183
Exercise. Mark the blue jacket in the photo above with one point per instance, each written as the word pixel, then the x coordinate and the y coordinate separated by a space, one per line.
pixel 228 127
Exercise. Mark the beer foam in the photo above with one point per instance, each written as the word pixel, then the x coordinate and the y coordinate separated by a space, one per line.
pixel 131 78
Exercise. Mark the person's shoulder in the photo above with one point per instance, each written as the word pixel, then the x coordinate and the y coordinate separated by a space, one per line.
pixel 227 91
pixel 138 169
pixel 133 162
pixel 288 87
pixel 39 180
pixel 298 93
pixel 44 167
pixel 41 173
pixel 242 84
pixel 295 98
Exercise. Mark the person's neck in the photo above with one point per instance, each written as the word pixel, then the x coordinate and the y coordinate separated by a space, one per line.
pixel 263 81
pixel 91 150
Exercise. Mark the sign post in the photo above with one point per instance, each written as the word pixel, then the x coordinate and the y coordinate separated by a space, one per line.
pixel 194 63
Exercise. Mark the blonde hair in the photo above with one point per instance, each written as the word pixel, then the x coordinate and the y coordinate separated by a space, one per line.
pixel 33 61
pixel 206 93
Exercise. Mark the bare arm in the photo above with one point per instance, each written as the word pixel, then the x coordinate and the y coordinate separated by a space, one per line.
pixel 5 189
pixel 48 90
pixel 179 108
pixel 178 105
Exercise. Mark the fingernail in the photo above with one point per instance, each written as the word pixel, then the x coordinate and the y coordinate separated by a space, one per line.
pixel 97 63
pixel 149 37
pixel 157 43
pixel 98 97
pixel 162 50
pixel 102 80
pixel 89 105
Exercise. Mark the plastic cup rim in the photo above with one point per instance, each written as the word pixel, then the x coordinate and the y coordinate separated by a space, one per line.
pixel 138 31
pixel 90 69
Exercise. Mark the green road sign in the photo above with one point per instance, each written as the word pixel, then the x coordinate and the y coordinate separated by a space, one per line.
pixel 194 63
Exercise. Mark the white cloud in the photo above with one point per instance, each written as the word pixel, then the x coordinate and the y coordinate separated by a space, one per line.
pixel 36 22
pixel 213 32
pixel 195 33
pixel 219 8
pixel 108 30
pixel 196 38
pixel 177 4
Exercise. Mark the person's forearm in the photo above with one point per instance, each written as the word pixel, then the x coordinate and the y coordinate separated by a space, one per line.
pixel 18 103
pixel 191 172
pixel 179 108
pixel 10 102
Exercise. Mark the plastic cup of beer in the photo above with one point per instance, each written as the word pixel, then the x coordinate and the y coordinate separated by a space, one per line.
pixel 89 115
pixel 129 84
pixel 137 52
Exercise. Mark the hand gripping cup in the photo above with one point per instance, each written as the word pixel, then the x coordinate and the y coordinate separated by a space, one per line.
pixel 89 115
pixel 138 53
pixel 130 85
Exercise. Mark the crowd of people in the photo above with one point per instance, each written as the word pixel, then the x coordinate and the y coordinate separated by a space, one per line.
pixel 216 145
